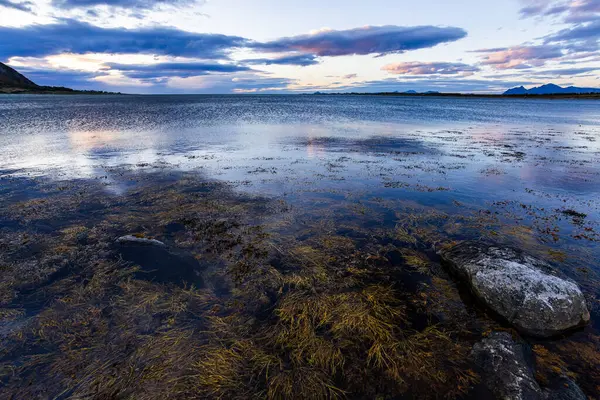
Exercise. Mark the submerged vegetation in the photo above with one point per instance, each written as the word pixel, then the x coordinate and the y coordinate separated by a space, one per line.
pixel 147 282
pixel 250 298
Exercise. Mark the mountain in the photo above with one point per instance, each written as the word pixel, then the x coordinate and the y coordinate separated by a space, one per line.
pixel 550 89
pixel 518 90
pixel 12 81
pixel 11 78
pixel 415 92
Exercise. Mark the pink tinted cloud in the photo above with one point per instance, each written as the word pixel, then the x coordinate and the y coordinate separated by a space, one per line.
pixel 430 68
pixel 573 11
pixel 520 57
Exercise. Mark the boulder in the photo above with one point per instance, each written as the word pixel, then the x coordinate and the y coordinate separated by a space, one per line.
pixel 138 240
pixel 525 291
pixel 507 372
pixel 504 368
pixel 564 388
pixel 159 263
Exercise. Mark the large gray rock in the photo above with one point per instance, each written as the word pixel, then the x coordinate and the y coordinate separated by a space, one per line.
pixel 525 291
pixel 505 370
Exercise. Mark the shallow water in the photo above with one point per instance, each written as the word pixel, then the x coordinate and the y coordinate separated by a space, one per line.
pixel 440 152
pixel 523 172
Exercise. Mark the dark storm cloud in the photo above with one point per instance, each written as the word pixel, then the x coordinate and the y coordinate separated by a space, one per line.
pixel 182 70
pixel 70 36
pixel 379 40
pixel 127 4
pixel 302 60
pixel 21 6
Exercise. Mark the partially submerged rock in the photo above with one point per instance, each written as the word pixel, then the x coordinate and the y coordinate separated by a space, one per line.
pixel 505 370
pixel 564 388
pixel 139 240
pixel 508 374
pixel 520 288
pixel 160 264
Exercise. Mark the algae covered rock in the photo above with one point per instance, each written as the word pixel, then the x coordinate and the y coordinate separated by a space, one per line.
pixel 564 388
pixel 508 372
pixel 131 239
pixel 159 263
pixel 524 290
pixel 505 370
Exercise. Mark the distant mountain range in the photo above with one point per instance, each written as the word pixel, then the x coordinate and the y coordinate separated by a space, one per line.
pixel 415 92
pixel 550 89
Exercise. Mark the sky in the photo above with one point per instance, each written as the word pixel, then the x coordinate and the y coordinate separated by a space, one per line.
pixel 302 46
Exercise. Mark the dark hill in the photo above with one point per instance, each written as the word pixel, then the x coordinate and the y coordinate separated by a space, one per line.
pixel 11 78
pixel 12 82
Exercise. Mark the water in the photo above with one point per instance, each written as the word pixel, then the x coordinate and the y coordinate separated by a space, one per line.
pixel 523 172
pixel 435 151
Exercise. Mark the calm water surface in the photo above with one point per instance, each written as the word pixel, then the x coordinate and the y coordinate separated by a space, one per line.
pixel 528 157
pixel 435 151
pixel 545 152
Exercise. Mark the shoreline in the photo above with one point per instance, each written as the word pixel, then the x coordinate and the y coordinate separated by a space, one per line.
pixel 66 91
pixel 471 95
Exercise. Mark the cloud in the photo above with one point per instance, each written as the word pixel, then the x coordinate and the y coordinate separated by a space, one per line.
pixel 441 84
pixel 520 57
pixel 245 83
pixel 430 68
pixel 260 84
pixel 173 69
pixel 568 71
pixel 579 41
pixel 61 77
pixel 589 33
pixel 302 60
pixel 70 36
pixel 379 40
pixel 350 76
pixel 127 4
pixel 533 10
pixel 572 11
pixel 21 6
pixel 76 37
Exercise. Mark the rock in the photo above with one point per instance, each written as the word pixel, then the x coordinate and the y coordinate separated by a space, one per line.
pixel 505 370
pixel 82 238
pixel 564 389
pixel 160 264
pixel 138 240
pixel 522 289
